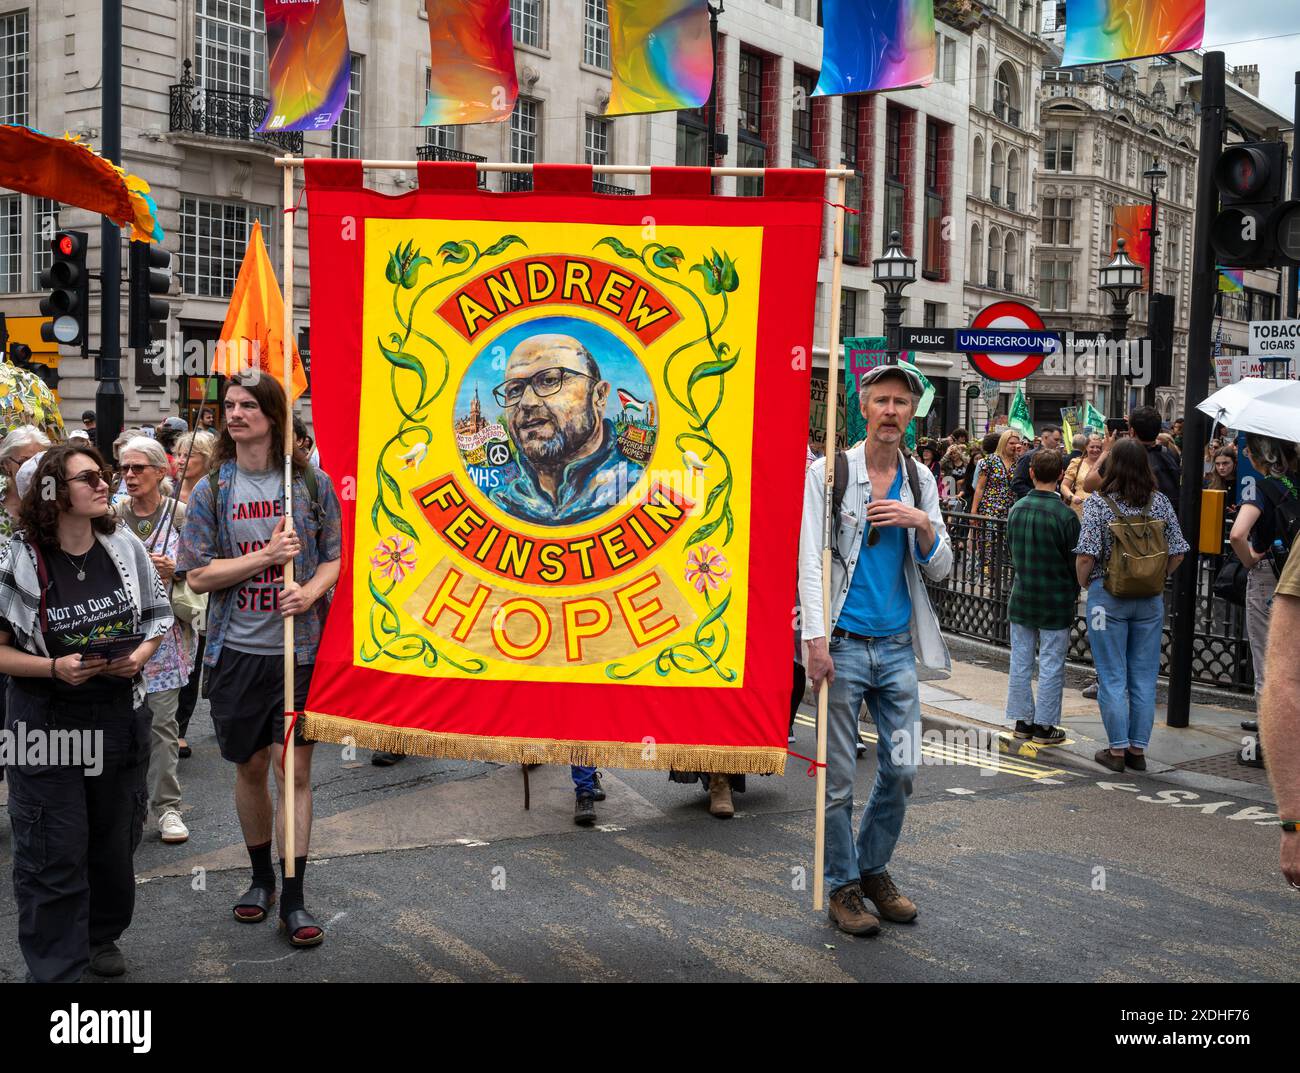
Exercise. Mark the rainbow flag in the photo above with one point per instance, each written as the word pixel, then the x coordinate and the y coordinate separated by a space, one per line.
pixel 1103 31
pixel 661 55
pixel 471 62
pixel 310 64
pixel 876 44
pixel 1232 280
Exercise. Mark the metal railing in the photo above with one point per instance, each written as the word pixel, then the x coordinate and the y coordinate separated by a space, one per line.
pixel 1009 283
pixel 1011 200
pixel 974 601
pixel 223 114
pixel 993 279
pixel 995 194
pixel 517 180
pixel 610 188
pixel 442 153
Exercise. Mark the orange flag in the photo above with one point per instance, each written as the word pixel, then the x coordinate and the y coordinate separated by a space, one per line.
pixel 253 334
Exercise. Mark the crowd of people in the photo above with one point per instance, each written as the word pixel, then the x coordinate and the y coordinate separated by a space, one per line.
pixel 125 589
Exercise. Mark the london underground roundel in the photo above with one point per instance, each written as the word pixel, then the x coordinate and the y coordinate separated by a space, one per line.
pixel 1015 325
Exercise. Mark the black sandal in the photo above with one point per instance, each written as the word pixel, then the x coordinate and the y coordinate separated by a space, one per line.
pixel 300 920
pixel 259 898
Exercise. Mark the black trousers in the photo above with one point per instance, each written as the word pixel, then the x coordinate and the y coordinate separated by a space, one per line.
pixel 76 828
pixel 190 692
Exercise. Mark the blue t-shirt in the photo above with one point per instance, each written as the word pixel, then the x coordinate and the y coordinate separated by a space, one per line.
pixel 878 603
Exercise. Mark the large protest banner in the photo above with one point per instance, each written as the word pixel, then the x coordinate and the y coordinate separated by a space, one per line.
pixel 576 425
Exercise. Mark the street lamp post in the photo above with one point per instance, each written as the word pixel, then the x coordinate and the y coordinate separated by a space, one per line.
pixel 1119 279
pixel 893 272
pixel 1155 175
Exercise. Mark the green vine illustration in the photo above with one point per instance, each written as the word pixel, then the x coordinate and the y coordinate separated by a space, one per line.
pixel 387 637
pixel 720 278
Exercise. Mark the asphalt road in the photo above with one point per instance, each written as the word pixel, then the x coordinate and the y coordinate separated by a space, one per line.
pixel 432 871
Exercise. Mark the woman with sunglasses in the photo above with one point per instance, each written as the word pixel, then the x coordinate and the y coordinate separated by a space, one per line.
pixel 82 610
pixel 149 511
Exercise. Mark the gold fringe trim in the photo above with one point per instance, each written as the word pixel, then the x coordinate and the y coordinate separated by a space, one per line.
pixel 734 760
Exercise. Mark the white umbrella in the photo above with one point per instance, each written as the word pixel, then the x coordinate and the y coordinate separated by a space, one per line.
pixel 1268 407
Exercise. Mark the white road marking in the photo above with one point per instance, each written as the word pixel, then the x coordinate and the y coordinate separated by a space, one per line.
pixel 959 790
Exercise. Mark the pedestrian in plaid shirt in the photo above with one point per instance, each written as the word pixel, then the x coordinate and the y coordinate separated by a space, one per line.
pixel 1042 532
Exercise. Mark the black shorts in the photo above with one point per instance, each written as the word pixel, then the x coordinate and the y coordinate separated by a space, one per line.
pixel 247 703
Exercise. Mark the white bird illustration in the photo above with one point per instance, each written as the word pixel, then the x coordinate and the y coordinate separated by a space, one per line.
pixel 693 461
pixel 414 456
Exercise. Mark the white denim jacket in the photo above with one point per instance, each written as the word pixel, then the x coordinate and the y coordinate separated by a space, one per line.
pixel 927 640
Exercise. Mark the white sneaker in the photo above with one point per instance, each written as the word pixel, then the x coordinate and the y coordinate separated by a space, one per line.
pixel 172 828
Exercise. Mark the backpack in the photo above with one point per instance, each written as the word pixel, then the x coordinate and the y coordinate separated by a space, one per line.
pixel 1286 515
pixel 842 483
pixel 1139 555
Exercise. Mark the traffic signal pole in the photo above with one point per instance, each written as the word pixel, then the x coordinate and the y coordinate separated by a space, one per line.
pixel 110 403
pixel 1196 424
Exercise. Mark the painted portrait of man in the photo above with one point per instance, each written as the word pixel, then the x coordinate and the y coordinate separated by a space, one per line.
pixel 571 466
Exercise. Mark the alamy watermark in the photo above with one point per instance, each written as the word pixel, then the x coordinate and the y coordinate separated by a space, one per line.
pixel 26 746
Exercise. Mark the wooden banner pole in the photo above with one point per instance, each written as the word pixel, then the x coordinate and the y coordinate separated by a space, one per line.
pixel 832 391
pixel 287 803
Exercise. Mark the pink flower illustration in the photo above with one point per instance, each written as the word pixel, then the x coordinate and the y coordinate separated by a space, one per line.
pixel 394 558
pixel 706 567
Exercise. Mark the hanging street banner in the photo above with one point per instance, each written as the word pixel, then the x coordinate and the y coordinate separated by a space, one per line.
pixel 884 44
pixel 578 443
pixel 661 55
pixel 1104 31
pixel 471 75
pixel 309 66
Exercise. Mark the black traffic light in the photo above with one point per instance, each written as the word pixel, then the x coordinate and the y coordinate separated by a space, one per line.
pixel 1257 227
pixel 69 299
pixel 20 355
pixel 149 274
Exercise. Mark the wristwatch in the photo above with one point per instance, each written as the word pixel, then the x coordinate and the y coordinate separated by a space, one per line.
pixel 1290 825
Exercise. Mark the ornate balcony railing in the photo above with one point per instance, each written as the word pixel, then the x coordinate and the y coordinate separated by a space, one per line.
pixel 518 180
pixel 224 114
pixel 610 188
pixel 438 152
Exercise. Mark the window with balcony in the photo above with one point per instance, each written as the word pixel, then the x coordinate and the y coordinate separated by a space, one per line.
pixel 525 141
pixel 998 176
pixel 14 46
pixel 1054 285
pixel 978 168
pixel 1006 95
pixel 1010 263
pixel 526 18
pixel 751 150
pixel 1114 159
pixel 214 236
pixel 982 80
pixel 895 176
pixel 595 140
pixel 230 47
pixel 1013 180
pixel 595 34
pixel 976 254
pixel 1057 221
pixel 345 136
pixel 802 152
pixel 1058 150
pixel 994 263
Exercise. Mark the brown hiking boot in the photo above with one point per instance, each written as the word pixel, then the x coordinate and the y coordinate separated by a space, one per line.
pixel 889 902
pixel 848 913
pixel 720 797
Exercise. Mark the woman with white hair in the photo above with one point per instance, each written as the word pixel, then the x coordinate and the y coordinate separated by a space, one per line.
pixel 149 513
pixel 16 448
pixel 198 447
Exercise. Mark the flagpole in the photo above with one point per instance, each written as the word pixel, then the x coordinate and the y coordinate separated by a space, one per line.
pixel 290 814
pixel 823 694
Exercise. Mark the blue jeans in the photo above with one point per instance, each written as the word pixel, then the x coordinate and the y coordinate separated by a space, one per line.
pixel 583 783
pixel 1052 647
pixel 883 671
pixel 1125 639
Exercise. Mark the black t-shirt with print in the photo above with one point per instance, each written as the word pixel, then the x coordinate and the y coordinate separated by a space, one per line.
pixel 77 610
